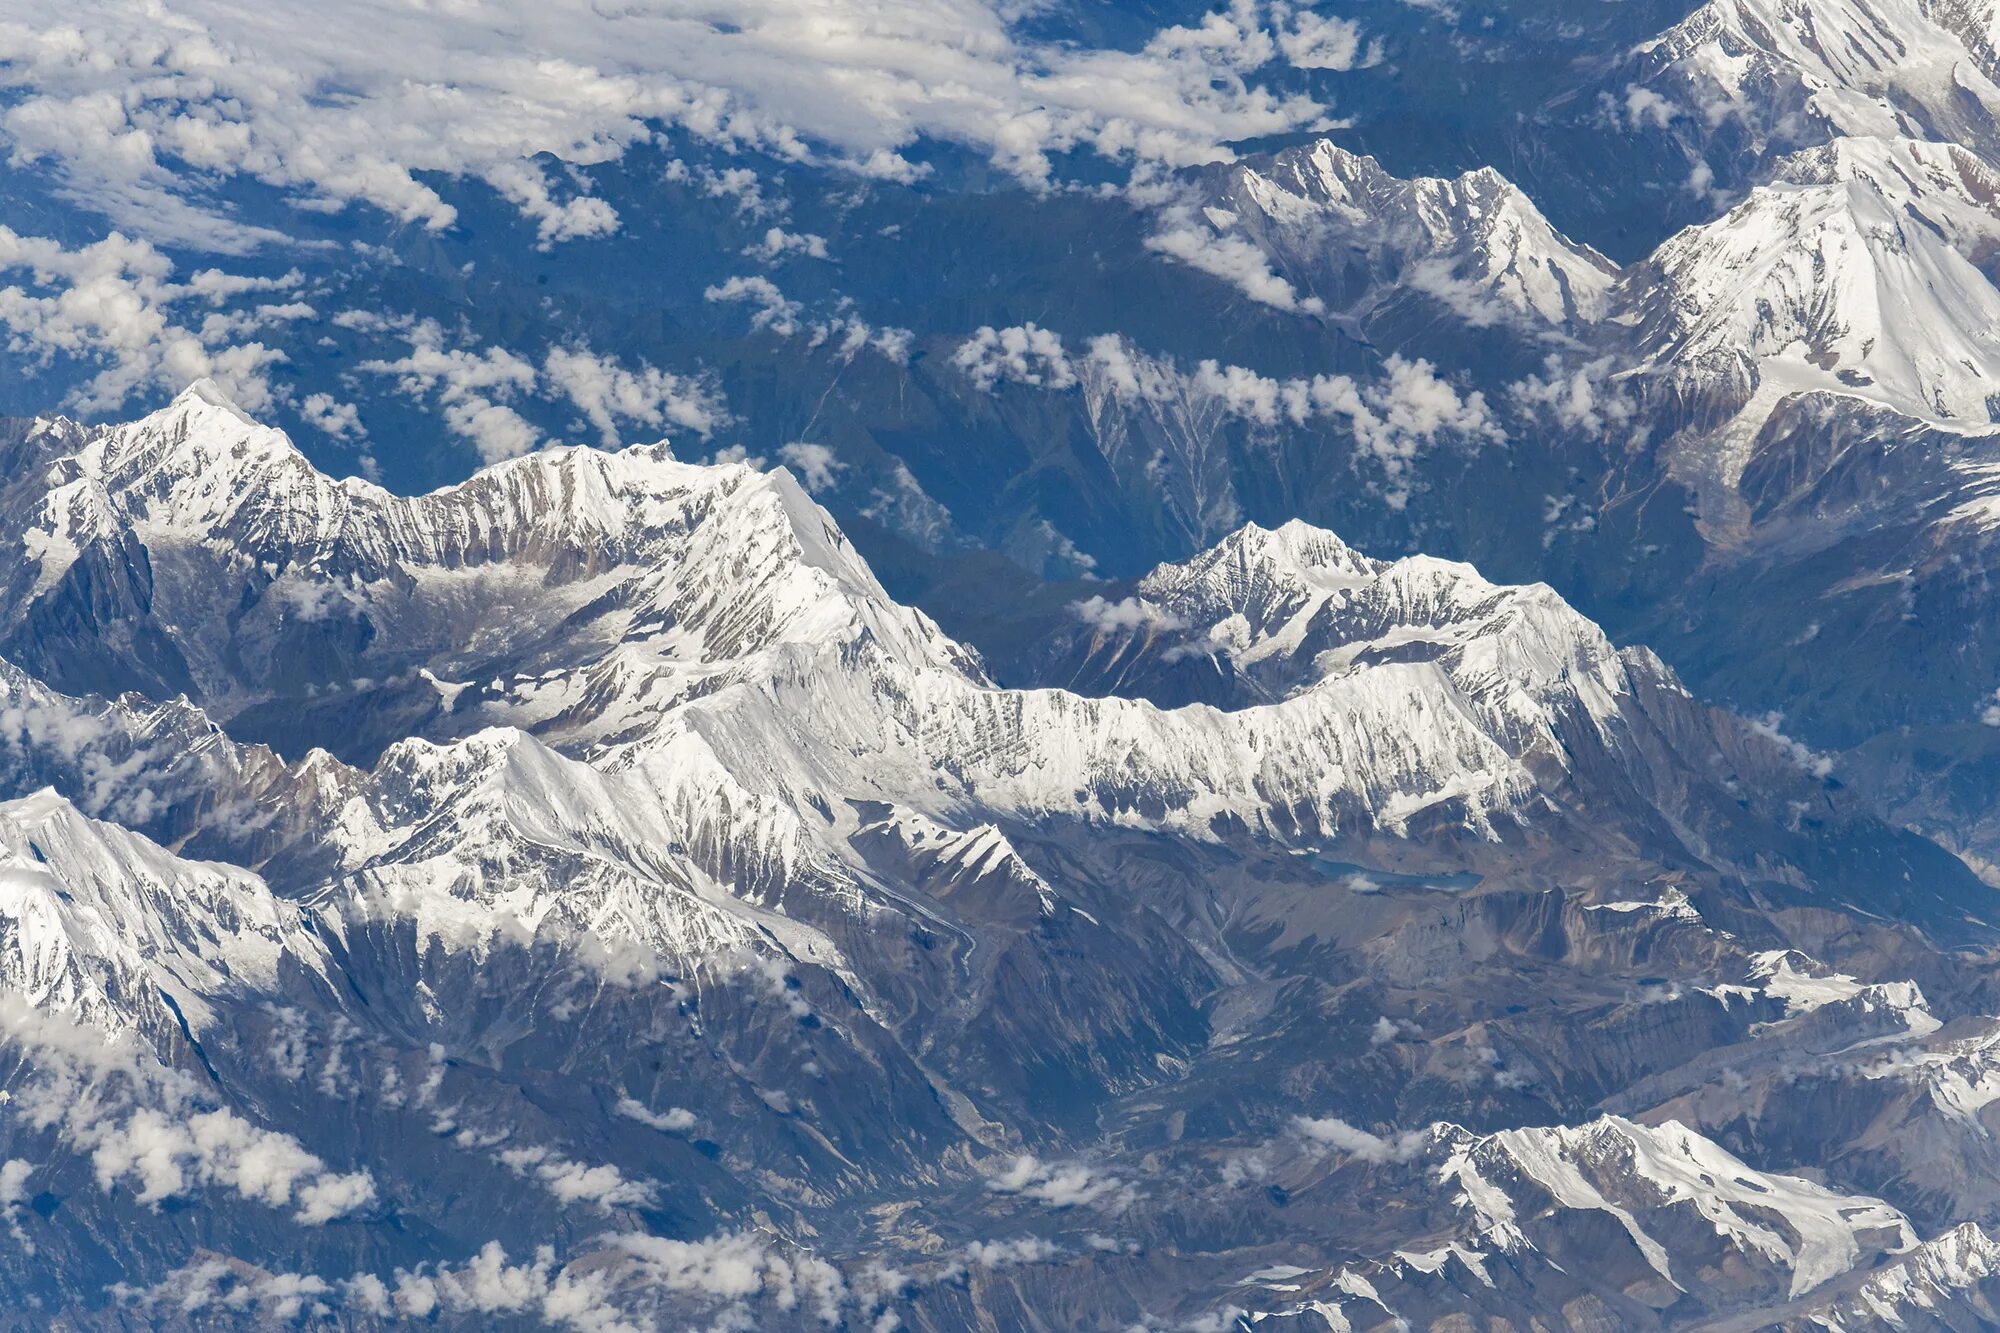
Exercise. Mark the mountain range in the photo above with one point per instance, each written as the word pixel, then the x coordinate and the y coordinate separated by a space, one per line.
pixel 1138 666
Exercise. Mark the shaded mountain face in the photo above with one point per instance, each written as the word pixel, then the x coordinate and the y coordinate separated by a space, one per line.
pixel 1288 669
pixel 1351 940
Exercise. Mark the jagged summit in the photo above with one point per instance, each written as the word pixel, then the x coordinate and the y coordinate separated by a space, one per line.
pixel 1852 272
pixel 1474 242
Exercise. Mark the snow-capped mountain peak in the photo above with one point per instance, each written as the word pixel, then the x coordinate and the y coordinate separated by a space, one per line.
pixel 1855 272
pixel 100 923
pixel 1336 223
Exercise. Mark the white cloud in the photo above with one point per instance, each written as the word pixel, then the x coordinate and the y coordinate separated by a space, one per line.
pixel 1009 1253
pixel 139 107
pixel 1020 354
pixel 1392 418
pixel 326 414
pixel 674 1120
pixel 773 311
pixel 143 1125
pixel 1808 760
pixel 1320 41
pixel 737 1266
pixel 1332 1132
pixel 815 464
pixel 479 389
pixel 474 389
pixel 1059 1184
pixel 113 304
pixel 1125 616
pixel 777 243
pixel 526 186
pixel 607 393
pixel 1645 108
pixel 1586 397
pixel 1194 241
pixel 602 1186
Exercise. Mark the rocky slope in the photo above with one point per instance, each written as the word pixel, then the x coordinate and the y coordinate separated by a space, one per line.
pixel 598 834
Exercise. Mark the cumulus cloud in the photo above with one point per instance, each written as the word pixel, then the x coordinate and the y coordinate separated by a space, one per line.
pixel 1059 1184
pixel 138 108
pixel 770 309
pixel 1127 615
pixel 328 415
pixel 1586 396
pixel 1645 108
pixel 1336 1134
pixel 815 463
pixel 473 387
pixel 1010 1253
pixel 1195 241
pixel 143 1126
pixel 673 1120
pixel 1802 756
pixel 114 304
pixel 1322 41
pixel 607 393
pixel 481 390
pixel 777 244
pixel 14 1175
pixel 1393 418
pixel 526 186
pixel 603 1186
pixel 1020 354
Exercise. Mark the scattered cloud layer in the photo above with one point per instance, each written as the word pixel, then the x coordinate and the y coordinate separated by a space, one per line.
pixel 136 106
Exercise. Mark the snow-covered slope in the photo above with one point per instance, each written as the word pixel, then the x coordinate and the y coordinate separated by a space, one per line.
pixel 641 612
pixel 1950 1281
pixel 1340 227
pixel 208 546
pixel 1765 75
pixel 1856 271
pixel 1661 1179
pixel 1282 609
pixel 669 848
pixel 103 925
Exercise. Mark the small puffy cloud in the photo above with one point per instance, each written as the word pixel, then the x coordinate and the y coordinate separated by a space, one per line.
pixel 1586 396
pixel 142 1126
pixel 735 1267
pixel 673 1120
pixel 331 417
pixel 1020 354
pixel 473 387
pixel 603 1186
pixel 815 463
pixel 1127 615
pixel 1645 108
pixel 1336 1134
pixel 480 390
pixel 1195 242
pixel 114 304
pixel 777 244
pixel 738 453
pixel 526 186
pixel 1806 759
pixel 1323 41
pixel 608 393
pixel 1059 1184
pixel 770 308
pixel 1010 1253
pixel 329 1197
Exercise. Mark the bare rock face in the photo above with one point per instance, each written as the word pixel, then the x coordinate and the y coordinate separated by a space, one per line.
pixel 598 834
